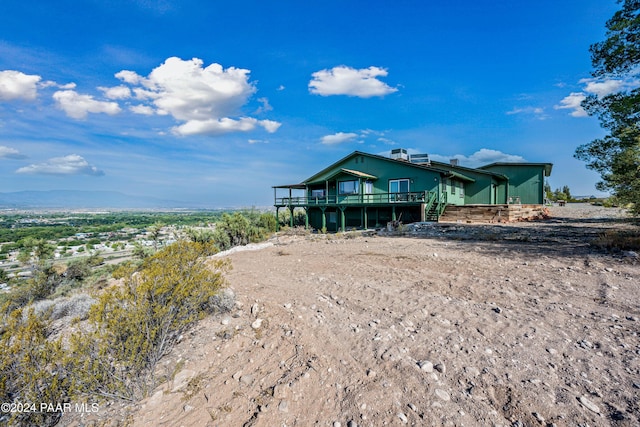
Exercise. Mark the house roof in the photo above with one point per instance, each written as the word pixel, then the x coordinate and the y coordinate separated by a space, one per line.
pixel 461 176
pixel 547 166
pixel 358 174
pixel 456 171
pixel 292 186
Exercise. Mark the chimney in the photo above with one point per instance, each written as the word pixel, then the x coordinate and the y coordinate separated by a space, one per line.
pixel 454 162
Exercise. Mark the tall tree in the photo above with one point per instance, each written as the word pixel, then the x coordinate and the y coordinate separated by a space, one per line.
pixel 617 156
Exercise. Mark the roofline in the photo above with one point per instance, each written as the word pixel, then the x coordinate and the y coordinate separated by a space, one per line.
pixel 477 170
pixel 547 166
pixel 311 179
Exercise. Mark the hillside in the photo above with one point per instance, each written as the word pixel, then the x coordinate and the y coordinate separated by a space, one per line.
pixel 517 324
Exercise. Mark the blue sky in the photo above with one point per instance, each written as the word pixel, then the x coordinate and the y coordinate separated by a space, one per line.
pixel 215 102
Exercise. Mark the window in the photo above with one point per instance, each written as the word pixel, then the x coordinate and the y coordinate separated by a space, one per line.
pixel 398 189
pixel 461 184
pixel 348 187
pixel 318 194
pixel 368 187
pixel 453 186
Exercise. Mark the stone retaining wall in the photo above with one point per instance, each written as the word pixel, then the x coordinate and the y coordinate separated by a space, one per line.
pixel 491 213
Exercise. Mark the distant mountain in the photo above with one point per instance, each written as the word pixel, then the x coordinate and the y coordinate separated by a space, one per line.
pixel 73 199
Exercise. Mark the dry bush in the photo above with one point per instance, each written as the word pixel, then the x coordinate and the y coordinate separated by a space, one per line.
pixel 620 240
pixel 136 324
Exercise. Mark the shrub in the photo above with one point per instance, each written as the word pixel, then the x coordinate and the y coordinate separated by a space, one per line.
pixel 32 369
pixel 617 240
pixel 136 324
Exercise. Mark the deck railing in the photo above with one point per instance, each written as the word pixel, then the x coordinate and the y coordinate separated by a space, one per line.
pixel 356 199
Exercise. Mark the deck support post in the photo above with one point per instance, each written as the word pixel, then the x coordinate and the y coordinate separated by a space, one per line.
pixel 342 219
pixel 306 218
pixel 365 218
pixel 393 212
pixel 291 209
pixel 324 218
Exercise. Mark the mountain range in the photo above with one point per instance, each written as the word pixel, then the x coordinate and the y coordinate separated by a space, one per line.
pixel 74 199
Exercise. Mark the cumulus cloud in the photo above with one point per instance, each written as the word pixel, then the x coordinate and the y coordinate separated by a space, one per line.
pixel 573 102
pixel 215 127
pixel 482 157
pixel 338 138
pixel 343 80
pixel 79 106
pixel 142 109
pixel 600 88
pixel 10 153
pixel 72 164
pixel 206 99
pixel 16 85
pixel 117 92
pixel 605 87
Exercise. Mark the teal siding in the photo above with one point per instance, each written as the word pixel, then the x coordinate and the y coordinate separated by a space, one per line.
pixel 526 181
pixel 420 179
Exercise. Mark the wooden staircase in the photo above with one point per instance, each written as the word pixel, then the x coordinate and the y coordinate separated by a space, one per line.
pixel 435 207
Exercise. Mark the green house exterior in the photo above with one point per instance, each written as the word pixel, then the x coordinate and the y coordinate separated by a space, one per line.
pixel 366 191
pixel 526 180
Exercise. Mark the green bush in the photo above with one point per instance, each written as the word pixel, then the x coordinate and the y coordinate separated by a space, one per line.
pixel 242 228
pixel 32 370
pixel 130 328
pixel 135 325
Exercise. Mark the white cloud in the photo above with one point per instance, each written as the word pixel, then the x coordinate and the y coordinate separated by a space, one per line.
pixel 600 88
pixel 573 102
pixel 206 99
pixel 17 85
pixel 604 88
pixel 482 157
pixel 78 106
pixel 142 109
pixel 214 127
pixel 10 153
pixel 338 138
pixel 116 92
pixel 265 107
pixel 129 77
pixel 72 164
pixel 343 80
pixel 538 112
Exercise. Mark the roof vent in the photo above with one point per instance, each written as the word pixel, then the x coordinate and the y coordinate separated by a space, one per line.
pixel 399 154
pixel 421 159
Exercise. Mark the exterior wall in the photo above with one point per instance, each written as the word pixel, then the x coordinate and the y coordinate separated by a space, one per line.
pixel 481 191
pixel 384 170
pixel 525 181
pixel 455 190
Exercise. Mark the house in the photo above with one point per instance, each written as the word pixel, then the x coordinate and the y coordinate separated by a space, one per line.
pixel 365 190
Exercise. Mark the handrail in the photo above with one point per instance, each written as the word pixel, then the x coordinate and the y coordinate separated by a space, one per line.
pixel 443 204
pixel 429 205
pixel 406 197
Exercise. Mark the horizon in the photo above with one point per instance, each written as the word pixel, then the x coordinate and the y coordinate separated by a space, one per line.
pixel 214 104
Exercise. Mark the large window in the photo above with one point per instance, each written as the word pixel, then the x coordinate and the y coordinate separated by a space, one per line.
pixel 398 189
pixel 318 194
pixel 348 187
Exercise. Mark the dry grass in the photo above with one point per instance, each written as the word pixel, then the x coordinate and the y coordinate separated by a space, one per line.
pixel 624 240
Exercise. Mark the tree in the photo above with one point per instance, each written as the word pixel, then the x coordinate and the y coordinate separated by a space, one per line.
pixel 617 156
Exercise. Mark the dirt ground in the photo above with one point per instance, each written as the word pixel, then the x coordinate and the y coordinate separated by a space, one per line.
pixel 520 324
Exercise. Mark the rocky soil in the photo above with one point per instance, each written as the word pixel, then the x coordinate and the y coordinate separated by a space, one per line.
pixel 521 324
